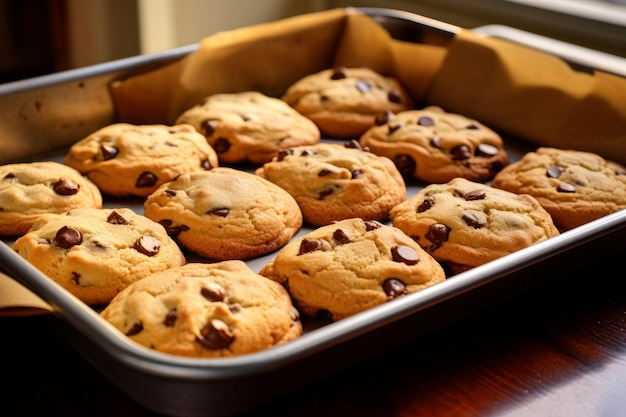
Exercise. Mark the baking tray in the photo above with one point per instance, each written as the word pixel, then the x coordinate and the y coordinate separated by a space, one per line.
pixel 180 386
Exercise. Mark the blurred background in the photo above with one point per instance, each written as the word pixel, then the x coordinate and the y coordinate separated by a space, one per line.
pixel 44 36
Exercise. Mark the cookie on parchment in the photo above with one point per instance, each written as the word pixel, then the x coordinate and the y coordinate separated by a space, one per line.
pixel 134 160
pixel 206 310
pixel 435 146
pixel 249 126
pixel 464 224
pixel 96 253
pixel 350 266
pixel 335 182
pixel 225 213
pixel 30 189
pixel 344 102
pixel 575 187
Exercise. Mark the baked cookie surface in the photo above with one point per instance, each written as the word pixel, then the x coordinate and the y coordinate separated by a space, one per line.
pixel 134 160
pixel 575 187
pixel 435 146
pixel 351 266
pixel 249 126
pixel 464 224
pixel 344 102
pixel 335 182
pixel 30 189
pixel 96 253
pixel 225 213
pixel 206 310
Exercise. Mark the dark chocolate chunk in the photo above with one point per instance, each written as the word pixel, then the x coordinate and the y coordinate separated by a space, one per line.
pixel 384 118
pixel 234 308
pixel 171 229
pixel 215 335
pixel 553 171
pixel 108 152
pixel 221 145
pixel 116 218
pixel 475 195
pixel 426 121
pixel 486 150
pixel 460 153
pixel 222 212
pixel 393 287
pixel 136 329
pixel 435 142
pixel 472 126
pixel 356 173
pixel 338 73
pixel 428 202
pixel 372 225
pixel 363 86
pixel 475 219
pixel 438 233
pixel 405 163
pixel 67 237
pixel 566 188
pixel 324 172
pixel 146 179
pixel 170 318
pixel 206 165
pixel 393 127
pixel 65 187
pixel 9 176
pixel 309 245
pixel 283 153
pixel 341 237
pixel 208 127
pixel 213 294
pixel 170 193
pixel 147 245
pixel 405 254
pixel 324 193
pixel 394 96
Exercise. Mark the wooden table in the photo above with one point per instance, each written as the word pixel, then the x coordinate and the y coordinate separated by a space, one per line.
pixel 556 351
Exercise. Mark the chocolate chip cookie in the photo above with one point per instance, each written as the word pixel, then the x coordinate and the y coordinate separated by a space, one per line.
pixel 350 266
pixel 464 224
pixel 30 189
pixel 134 160
pixel 249 126
pixel 225 213
pixel 335 182
pixel 206 310
pixel 435 146
pixel 96 253
pixel 575 187
pixel 344 102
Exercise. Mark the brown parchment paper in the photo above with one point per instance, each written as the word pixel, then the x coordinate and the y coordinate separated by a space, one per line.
pixel 512 88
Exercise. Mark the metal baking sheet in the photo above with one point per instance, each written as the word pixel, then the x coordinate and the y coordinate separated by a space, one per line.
pixel 180 386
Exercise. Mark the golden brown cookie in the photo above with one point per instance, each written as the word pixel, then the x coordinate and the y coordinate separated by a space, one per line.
pixel 464 224
pixel 225 213
pixel 350 266
pixel 125 159
pixel 249 126
pixel 432 145
pixel 206 310
pixel 575 187
pixel 30 189
pixel 335 182
pixel 344 102
pixel 96 253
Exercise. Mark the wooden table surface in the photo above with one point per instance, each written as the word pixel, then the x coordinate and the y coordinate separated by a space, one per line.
pixel 559 350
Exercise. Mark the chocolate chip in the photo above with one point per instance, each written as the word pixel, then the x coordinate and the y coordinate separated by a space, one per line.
pixel 363 86
pixel 283 153
pixel 146 179
pixel 394 96
pixel 474 195
pixel 472 126
pixel 566 188
pixel 341 237
pixel 208 127
pixel 405 254
pixel 222 212
pixel 65 187
pixel 475 219
pixel 67 237
pixel 206 165
pixel 234 308
pixel 170 318
pixel 460 153
pixel 352 144
pixel 438 233
pixel 221 145
pixel 620 171
pixel 393 287
pixel 147 245
pixel 339 73
pixel 435 142
pixel 553 171
pixel 9 176
pixel 324 172
pixel 170 193
pixel 428 202
pixel 425 121
pixel 393 127
pixel 246 118
pixel 372 225
pixel 213 294
pixel 172 230
pixel 76 278
pixel 486 150
pixel 307 152
pixel 381 119
pixel 405 163
pixel 324 193
pixel 310 245
pixel 108 152
pixel 136 329
pixel 215 335
pixel 116 218
pixel 356 173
